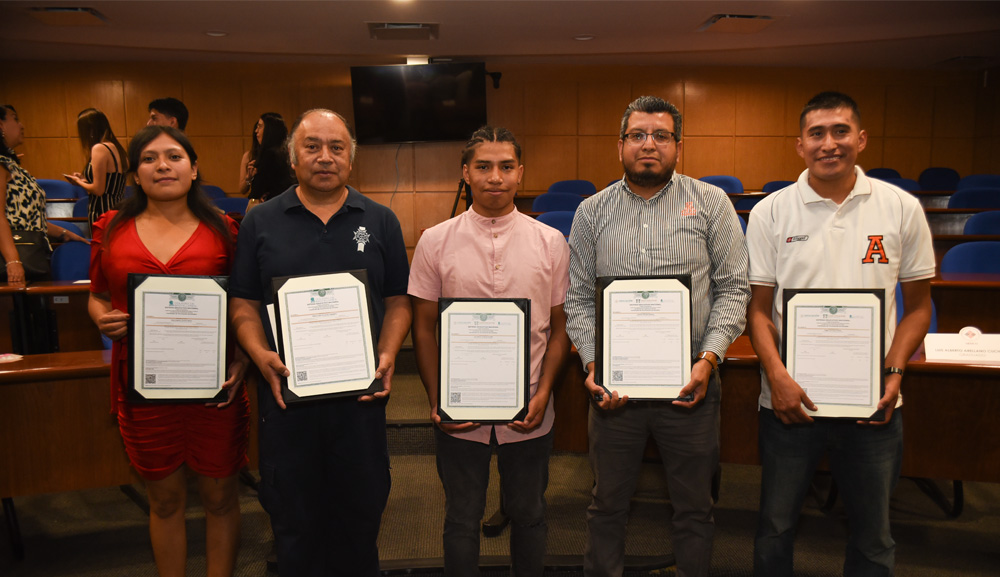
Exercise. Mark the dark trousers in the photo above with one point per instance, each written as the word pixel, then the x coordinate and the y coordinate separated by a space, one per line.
pixel 324 470
pixel 464 468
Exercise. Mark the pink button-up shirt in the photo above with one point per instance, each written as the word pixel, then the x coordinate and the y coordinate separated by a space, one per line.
pixel 512 256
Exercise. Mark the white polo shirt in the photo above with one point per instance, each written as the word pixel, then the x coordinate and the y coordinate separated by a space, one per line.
pixel 876 237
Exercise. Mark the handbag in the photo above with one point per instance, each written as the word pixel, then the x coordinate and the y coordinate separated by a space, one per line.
pixel 33 252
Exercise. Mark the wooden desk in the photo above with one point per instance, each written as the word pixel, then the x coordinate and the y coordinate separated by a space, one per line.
pixel 967 299
pixel 68 301
pixel 949 416
pixel 11 321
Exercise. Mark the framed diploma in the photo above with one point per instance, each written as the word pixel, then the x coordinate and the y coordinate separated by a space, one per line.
pixel 485 365
pixel 834 347
pixel 176 338
pixel 643 341
pixel 325 336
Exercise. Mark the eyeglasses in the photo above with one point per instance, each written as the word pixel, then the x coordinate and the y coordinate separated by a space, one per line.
pixel 659 137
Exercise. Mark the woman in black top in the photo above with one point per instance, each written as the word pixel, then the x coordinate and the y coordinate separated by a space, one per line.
pixel 266 172
pixel 104 176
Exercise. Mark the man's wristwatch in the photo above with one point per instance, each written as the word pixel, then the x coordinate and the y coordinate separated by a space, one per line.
pixel 893 371
pixel 710 357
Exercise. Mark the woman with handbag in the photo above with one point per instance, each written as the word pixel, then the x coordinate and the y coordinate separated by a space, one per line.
pixel 24 232
pixel 170 227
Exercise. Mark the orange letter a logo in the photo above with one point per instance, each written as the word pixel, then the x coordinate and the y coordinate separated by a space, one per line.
pixel 875 248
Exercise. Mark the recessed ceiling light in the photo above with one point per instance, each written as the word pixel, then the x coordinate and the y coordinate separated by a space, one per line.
pixel 216 33
pixel 584 37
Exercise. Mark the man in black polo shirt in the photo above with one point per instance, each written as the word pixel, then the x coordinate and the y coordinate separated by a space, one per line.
pixel 324 465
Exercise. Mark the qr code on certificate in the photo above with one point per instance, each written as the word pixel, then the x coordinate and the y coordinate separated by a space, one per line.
pixel 150 379
pixel 302 375
pixel 456 398
pixel 617 376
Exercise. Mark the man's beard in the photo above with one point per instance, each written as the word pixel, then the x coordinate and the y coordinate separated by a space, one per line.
pixel 648 178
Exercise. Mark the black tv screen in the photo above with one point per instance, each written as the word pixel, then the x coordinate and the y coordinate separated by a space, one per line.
pixel 420 103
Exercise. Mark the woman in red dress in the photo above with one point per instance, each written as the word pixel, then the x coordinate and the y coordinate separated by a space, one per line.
pixel 169 227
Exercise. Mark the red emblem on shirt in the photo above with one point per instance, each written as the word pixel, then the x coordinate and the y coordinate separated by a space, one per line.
pixel 689 209
pixel 875 250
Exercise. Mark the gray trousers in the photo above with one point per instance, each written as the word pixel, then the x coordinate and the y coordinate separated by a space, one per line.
pixel 688 440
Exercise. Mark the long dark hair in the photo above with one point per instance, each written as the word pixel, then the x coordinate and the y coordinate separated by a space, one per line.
pixel 5 150
pixel 93 127
pixel 200 205
pixel 273 136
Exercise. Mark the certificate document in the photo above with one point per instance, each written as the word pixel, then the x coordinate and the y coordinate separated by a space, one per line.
pixel 644 336
pixel 177 337
pixel 484 360
pixel 834 345
pixel 325 334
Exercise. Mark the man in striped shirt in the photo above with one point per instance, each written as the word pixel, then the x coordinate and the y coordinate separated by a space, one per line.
pixel 657 222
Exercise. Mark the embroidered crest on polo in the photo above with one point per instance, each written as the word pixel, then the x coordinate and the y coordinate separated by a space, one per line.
pixel 362 237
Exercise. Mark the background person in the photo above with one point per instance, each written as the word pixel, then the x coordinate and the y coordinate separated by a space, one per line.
pixel 264 170
pixel 104 176
pixel 168 112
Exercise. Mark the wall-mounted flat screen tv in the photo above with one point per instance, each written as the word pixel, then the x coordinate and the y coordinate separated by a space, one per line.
pixel 420 103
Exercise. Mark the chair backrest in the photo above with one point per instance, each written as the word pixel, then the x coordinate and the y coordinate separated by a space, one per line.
pixel 129 191
pixel 907 184
pixel 883 173
pixel 973 257
pixel 743 223
pixel 581 187
pixel 556 201
pixel 979 181
pixel 975 198
pixel 748 203
pixel 60 189
pixel 899 309
pixel 562 220
pixel 212 191
pixel 70 226
pixel 730 184
pixel 71 261
pixel 776 185
pixel 232 204
pixel 983 223
pixel 939 178
pixel 80 208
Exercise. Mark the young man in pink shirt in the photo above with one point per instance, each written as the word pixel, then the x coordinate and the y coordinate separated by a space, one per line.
pixel 493 251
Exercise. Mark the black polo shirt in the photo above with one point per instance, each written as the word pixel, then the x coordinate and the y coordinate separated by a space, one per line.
pixel 282 238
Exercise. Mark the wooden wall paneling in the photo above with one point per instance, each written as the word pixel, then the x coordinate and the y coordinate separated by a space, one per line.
pixel 957 153
pixel 438 166
pixel 793 163
pixel 760 110
pixel 375 168
pixel 320 94
pixel 219 160
pixel 550 108
pixel 104 94
pixel 670 90
pixel 909 156
pixel 600 107
pixel 140 91
pixel 954 111
pixel 709 109
pixel 214 105
pixel 797 94
pixel 401 203
pixel 761 159
pixel 909 111
pixel 431 208
pixel 874 154
pixel 548 159
pixel 41 105
pixel 708 155
pixel 981 155
pixel 259 96
pixel 598 160
pixel 47 157
pixel 505 107
pixel 872 105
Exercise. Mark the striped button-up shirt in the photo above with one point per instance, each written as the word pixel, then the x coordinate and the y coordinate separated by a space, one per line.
pixel 688 227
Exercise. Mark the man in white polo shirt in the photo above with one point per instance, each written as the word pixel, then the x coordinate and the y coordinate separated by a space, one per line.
pixel 834 228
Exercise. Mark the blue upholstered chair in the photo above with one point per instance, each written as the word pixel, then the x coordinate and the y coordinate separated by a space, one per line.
pixel 562 220
pixel 983 223
pixel 60 189
pixel 883 173
pixel 776 185
pixel 939 178
pixel 975 198
pixel 556 201
pixel 71 261
pixel 979 181
pixel 232 204
pixel 730 184
pixel 743 223
pixel 80 208
pixel 973 257
pixel 580 187
pixel 70 226
pixel 213 192
pixel 748 203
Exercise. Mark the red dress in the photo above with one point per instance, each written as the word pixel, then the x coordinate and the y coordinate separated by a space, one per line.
pixel 160 438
